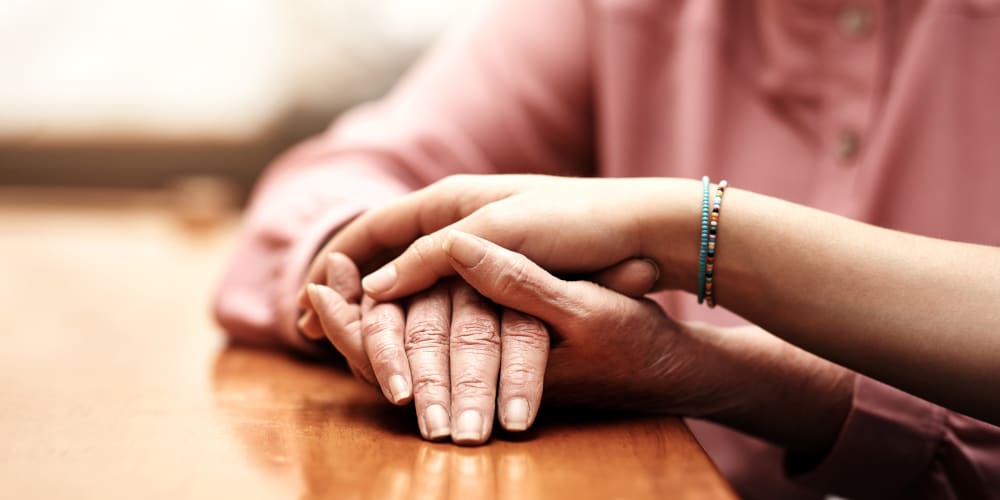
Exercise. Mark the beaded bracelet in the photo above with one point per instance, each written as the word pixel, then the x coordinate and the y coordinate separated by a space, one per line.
pixel 703 253
pixel 713 228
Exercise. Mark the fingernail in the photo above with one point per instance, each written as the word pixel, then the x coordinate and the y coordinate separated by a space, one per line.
pixel 470 427
pixel 436 420
pixel 399 388
pixel 380 280
pixel 464 248
pixel 516 415
pixel 656 269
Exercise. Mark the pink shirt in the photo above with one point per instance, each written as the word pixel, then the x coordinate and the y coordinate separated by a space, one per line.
pixel 887 112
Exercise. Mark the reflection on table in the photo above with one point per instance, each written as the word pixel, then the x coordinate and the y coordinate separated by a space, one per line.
pixel 345 441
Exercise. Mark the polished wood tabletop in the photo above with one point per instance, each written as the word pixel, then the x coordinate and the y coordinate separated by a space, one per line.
pixel 114 383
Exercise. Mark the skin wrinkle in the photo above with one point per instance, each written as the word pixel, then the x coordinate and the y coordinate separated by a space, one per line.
pixel 475 335
pixel 427 382
pixel 526 334
pixel 517 373
pixel 426 343
pixel 469 384
pixel 611 322
pixel 343 310
pixel 425 334
pixel 374 323
pixel 513 278
pixel 384 356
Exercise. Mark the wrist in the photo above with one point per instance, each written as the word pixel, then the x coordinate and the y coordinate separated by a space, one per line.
pixel 669 232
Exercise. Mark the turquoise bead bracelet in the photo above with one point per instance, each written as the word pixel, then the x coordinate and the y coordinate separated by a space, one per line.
pixel 703 253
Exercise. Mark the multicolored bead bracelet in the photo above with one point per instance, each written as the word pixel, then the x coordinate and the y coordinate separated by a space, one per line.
pixel 713 229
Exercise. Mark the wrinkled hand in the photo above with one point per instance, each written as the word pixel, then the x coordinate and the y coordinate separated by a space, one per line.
pixel 444 348
pixel 614 351
pixel 609 350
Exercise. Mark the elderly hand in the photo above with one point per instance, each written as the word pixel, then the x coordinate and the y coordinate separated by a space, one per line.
pixel 614 351
pixel 444 347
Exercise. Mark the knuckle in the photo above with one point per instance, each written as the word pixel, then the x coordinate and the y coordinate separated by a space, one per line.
pixel 430 383
pixel 422 249
pixel 514 278
pixel 577 315
pixel 426 334
pixel 374 323
pixel 479 333
pixel 384 354
pixel 527 333
pixel 519 375
pixel 376 326
pixel 471 386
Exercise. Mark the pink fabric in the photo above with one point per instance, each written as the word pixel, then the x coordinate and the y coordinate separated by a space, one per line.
pixel 887 114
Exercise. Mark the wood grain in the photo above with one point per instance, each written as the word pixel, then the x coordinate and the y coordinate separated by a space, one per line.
pixel 114 383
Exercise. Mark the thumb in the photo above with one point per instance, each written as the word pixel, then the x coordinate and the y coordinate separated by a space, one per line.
pixel 633 277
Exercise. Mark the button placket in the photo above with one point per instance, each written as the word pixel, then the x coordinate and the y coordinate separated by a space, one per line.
pixel 855 21
pixel 848 144
pixel 854 72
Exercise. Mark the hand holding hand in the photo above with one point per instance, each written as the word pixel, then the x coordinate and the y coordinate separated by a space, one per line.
pixel 611 350
pixel 443 348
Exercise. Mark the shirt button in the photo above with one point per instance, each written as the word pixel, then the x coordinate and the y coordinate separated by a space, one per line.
pixel 855 21
pixel 848 145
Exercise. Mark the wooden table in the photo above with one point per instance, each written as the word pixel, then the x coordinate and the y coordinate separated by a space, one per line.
pixel 114 383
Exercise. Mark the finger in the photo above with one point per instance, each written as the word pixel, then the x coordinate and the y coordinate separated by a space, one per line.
pixel 417 268
pixel 342 275
pixel 337 271
pixel 514 281
pixel 422 212
pixel 302 299
pixel 524 344
pixel 426 260
pixel 341 323
pixel 428 326
pixel 382 337
pixel 633 277
pixel 309 326
pixel 475 364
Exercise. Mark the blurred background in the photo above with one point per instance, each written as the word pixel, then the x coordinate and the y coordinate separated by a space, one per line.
pixel 187 97
pixel 130 134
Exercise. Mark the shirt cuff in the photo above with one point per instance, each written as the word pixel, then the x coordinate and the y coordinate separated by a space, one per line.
pixel 300 256
pixel 888 439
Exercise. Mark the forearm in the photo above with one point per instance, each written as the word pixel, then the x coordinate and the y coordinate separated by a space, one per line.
pixel 773 390
pixel 915 312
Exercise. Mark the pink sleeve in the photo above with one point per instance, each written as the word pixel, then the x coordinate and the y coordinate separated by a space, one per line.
pixel 504 92
pixel 894 445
